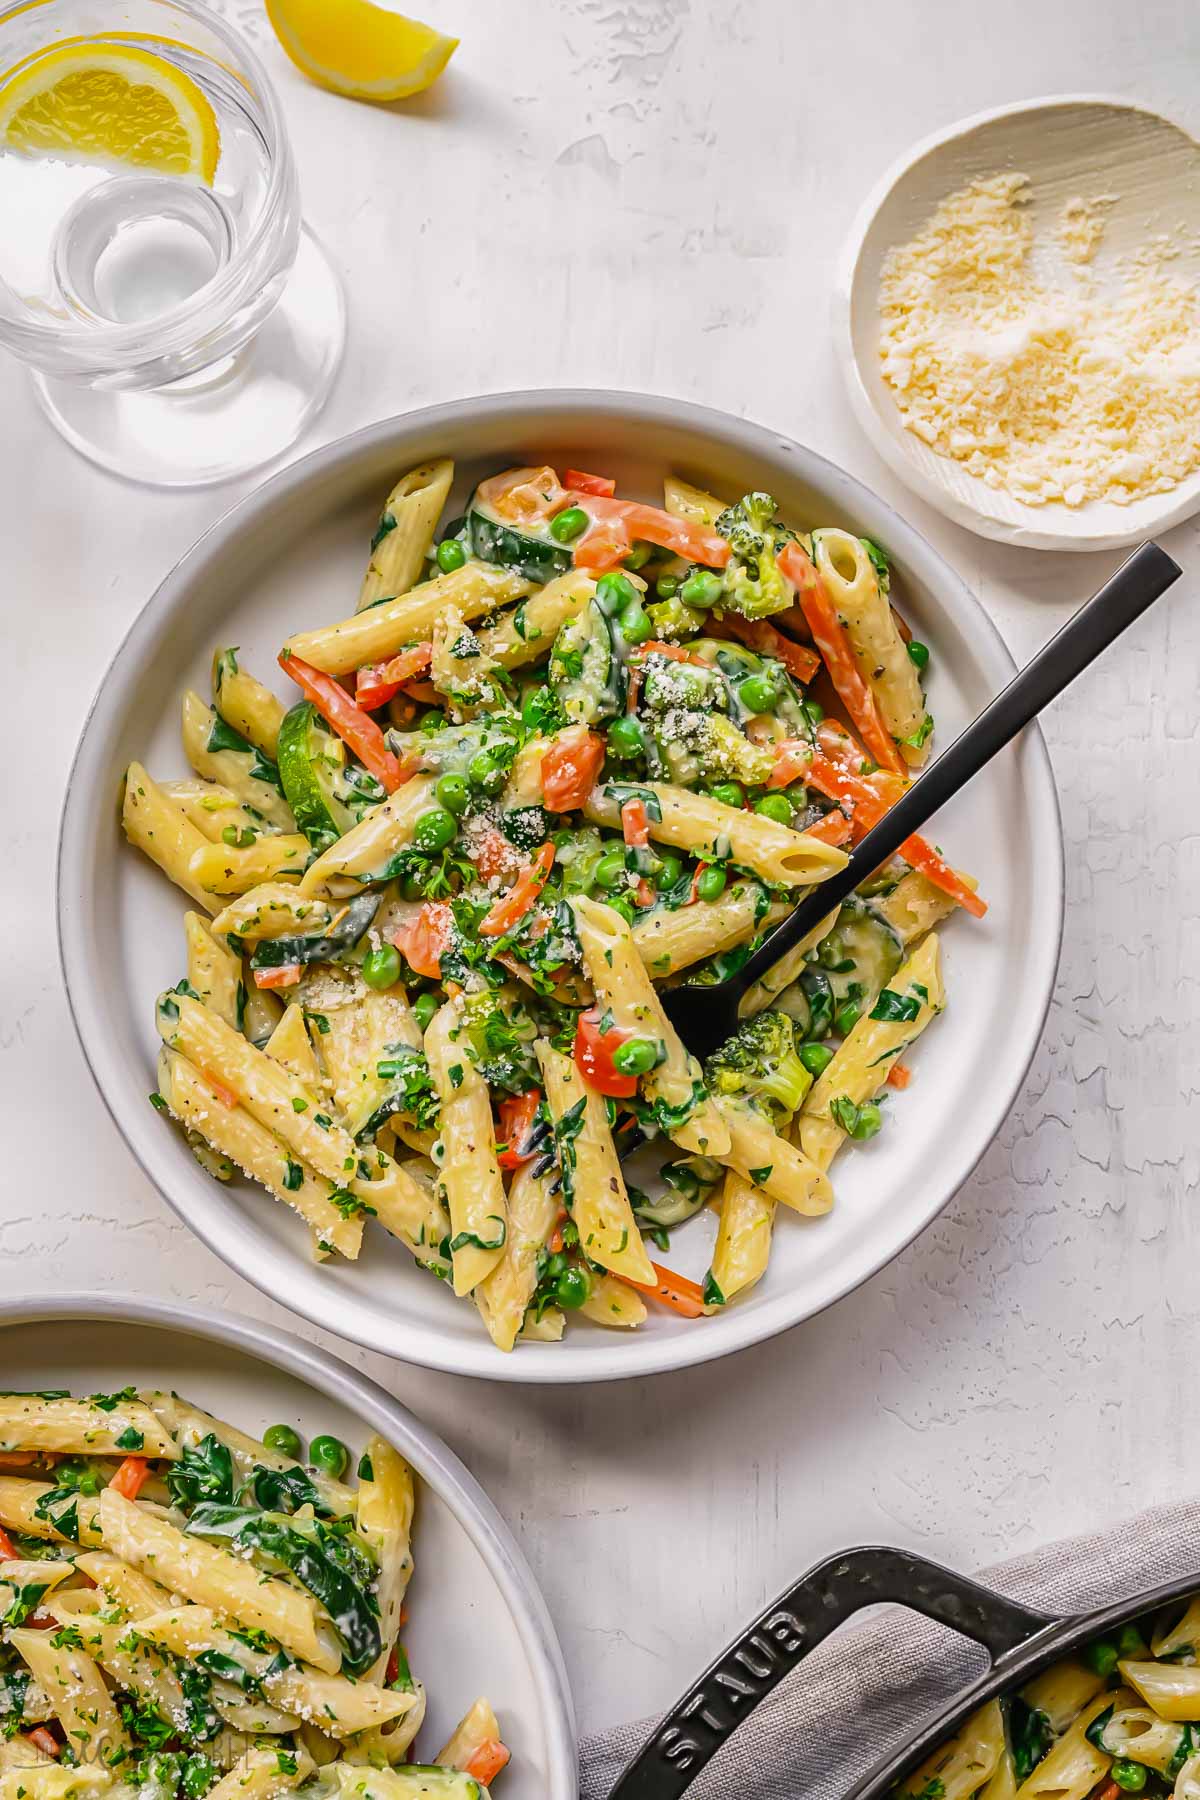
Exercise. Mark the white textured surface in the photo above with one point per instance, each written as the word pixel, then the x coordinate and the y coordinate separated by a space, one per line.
pixel 649 194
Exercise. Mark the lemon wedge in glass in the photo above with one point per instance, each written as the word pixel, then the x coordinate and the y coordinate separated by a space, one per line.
pixel 359 49
pixel 109 102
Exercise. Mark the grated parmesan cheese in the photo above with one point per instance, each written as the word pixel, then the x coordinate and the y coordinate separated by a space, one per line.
pixel 1053 394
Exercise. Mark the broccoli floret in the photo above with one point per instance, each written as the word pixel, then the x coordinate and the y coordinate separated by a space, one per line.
pixel 759 1064
pixel 751 582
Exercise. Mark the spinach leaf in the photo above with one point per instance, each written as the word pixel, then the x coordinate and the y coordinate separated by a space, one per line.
pixel 317 1561
pixel 1031 1735
pixel 203 1473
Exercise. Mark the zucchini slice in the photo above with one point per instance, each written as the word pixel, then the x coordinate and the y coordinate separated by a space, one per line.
pixel 861 954
pixel 334 945
pixel 327 793
pixel 491 540
pixel 586 674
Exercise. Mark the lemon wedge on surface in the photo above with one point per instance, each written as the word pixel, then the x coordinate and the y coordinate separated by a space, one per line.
pixel 110 103
pixel 359 49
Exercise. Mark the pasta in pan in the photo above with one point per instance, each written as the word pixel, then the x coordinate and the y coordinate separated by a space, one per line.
pixel 568 749
pixel 1120 1717
pixel 187 1610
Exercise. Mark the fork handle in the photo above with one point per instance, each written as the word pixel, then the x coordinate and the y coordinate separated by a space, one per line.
pixel 1125 596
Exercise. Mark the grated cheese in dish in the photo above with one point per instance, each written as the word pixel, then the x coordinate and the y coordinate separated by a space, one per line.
pixel 1067 394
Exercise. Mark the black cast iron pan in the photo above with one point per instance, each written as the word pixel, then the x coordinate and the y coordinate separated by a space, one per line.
pixel 1019 1640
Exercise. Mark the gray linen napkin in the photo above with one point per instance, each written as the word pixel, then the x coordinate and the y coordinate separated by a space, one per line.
pixel 861 1691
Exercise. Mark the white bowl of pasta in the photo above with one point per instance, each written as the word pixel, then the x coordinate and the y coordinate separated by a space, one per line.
pixel 207 1534
pixel 436 855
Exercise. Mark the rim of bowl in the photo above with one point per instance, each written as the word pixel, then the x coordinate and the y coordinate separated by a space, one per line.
pixel 1034 535
pixel 546 1364
pixel 432 1458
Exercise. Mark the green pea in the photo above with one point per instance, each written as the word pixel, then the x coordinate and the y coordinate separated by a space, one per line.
pixel 729 793
pixel 846 1017
pixel 610 870
pixel 450 555
pixel 702 588
pixel 816 1058
pixel 413 885
pixel 711 883
pixel 758 694
pixel 634 625
pixel 423 1009
pixel 621 904
pixel 918 655
pixel 626 738
pixel 381 968
pixel 670 871
pixel 330 1454
pixel 639 556
pixel 566 526
pixel 556 1264
pixel 454 794
pixel 1131 1643
pixel 775 806
pixel 667 586
pixel 283 1439
pixel 1129 1775
pixel 636 1056
pixel 613 593
pixel 486 773
pixel 572 1289
pixel 238 839
pixel 869 1120
pixel 798 795
pixel 1101 1657
pixel 813 711
pixel 434 830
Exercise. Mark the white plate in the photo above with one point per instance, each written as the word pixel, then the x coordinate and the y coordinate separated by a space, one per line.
pixel 291 556
pixel 1068 145
pixel 478 1624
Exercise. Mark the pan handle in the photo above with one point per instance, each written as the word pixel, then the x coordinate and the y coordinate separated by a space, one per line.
pixel 756 1662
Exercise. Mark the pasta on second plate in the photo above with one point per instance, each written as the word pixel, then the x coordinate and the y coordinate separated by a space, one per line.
pixel 189 1611
pixel 1121 1717
pixel 568 749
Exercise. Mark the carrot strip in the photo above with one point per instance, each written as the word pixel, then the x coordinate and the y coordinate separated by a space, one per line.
pixel 867 798
pixel 676 652
pixel 225 1095
pixel 899 1076
pixel 351 723
pixel 570 767
pixel 8 1549
pixel 47 1744
pixel 379 682
pixel 831 640
pixel 584 483
pixel 131 1477
pixel 423 941
pixel 286 975
pixel 800 662
pixel 523 894
pixel 834 828
pixel 682 1295
pixel 488 1760
pixel 17 1459
pixel 635 827
pixel 616 523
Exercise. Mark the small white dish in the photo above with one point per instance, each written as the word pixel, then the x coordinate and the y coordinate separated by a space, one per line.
pixel 478 1625
pixel 286 557
pixel 1068 145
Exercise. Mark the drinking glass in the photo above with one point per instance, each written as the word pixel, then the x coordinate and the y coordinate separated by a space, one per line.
pixel 179 331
